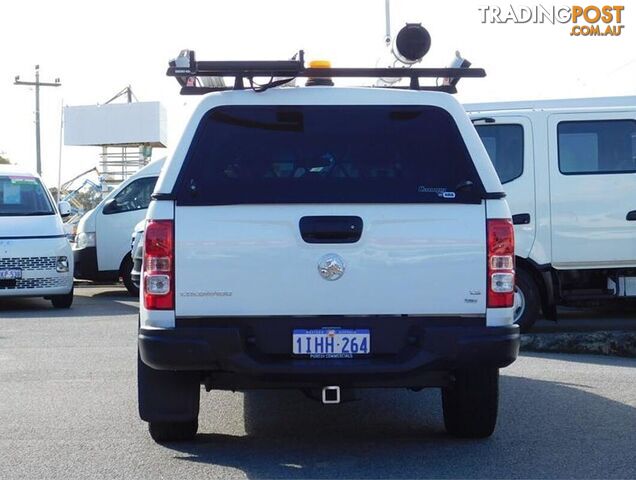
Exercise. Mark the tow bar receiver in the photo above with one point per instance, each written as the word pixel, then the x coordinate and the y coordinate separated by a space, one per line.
pixel 331 395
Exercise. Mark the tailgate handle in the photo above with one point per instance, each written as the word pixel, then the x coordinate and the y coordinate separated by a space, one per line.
pixel 631 216
pixel 521 219
pixel 330 229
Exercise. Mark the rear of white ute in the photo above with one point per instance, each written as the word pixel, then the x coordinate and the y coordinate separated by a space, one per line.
pixel 327 240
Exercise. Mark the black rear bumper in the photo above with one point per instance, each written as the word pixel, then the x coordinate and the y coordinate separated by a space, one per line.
pixel 243 353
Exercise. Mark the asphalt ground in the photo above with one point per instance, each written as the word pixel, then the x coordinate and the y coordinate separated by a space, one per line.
pixel 618 316
pixel 68 410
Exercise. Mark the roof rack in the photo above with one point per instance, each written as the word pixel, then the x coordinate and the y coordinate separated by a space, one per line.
pixel 188 72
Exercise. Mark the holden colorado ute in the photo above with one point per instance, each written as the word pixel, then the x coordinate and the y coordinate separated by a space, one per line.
pixel 326 239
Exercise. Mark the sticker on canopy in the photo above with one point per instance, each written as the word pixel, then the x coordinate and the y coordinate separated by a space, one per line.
pixel 23 180
pixel 439 191
pixel 11 194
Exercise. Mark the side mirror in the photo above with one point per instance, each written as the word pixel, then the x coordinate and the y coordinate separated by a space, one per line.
pixel 65 208
pixel 110 206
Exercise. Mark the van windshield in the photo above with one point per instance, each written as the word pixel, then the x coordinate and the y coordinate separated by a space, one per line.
pixel 327 154
pixel 23 196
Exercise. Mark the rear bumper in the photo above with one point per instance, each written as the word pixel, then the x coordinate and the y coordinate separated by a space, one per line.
pixel 245 353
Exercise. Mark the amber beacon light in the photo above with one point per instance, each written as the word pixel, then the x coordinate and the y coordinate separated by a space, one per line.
pixel 319 81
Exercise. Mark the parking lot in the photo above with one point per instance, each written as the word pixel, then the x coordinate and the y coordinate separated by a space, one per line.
pixel 68 410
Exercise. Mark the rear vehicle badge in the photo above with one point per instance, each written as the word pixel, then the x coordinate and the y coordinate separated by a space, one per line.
pixel 331 266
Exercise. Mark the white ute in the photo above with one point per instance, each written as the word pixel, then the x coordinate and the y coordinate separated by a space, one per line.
pixel 326 239
pixel 35 255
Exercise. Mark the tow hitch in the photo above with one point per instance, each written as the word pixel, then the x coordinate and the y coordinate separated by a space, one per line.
pixel 331 395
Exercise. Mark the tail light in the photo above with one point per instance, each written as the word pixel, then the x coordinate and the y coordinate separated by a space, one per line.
pixel 501 263
pixel 159 265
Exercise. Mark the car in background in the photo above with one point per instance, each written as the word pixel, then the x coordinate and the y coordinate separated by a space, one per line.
pixel 137 252
pixel 102 242
pixel 35 255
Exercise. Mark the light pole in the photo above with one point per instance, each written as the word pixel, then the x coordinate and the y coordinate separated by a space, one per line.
pixel 37 84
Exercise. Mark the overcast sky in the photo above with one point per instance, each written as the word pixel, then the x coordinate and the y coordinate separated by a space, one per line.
pixel 97 48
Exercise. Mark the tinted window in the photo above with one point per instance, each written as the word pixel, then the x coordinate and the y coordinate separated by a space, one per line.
pixel 20 195
pixel 607 146
pixel 135 196
pixel 504 144
pixel 327 154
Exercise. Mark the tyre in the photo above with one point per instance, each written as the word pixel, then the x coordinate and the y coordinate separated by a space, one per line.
pixel 62 301
pixel 126 269
pixel 169 402
pixel 527 300
pixel 162 432
pixel 470 404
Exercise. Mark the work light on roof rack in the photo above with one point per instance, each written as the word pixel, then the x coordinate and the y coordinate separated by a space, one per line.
pixel 411 43
pixel 457 62
pixel 408 48
pixel 198 77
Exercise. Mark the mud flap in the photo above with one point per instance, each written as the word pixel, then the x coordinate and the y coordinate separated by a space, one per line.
pixel 166 395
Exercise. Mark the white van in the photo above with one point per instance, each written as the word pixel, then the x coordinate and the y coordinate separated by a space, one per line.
pixel 35 255
pixel 569 171
pixel 102 242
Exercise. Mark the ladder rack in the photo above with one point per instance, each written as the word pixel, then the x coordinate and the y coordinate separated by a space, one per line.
pixel 187 70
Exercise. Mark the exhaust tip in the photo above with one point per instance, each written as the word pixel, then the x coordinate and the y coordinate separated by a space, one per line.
pixel 331 395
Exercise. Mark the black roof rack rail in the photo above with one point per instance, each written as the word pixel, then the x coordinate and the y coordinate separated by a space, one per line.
pixel 187 70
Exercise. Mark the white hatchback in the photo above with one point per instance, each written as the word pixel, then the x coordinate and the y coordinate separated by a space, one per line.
pixel 35 255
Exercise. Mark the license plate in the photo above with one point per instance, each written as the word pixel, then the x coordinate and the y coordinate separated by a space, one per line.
pixel 331 342
pixel 10 274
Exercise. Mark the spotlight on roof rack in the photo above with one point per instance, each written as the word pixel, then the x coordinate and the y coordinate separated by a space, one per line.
pixel 408 48
pixel 458 62
pixel 411 43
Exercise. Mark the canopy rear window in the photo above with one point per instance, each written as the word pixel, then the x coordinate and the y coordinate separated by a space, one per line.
pixel 327 154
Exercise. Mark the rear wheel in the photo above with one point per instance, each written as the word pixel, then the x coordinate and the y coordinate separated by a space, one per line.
pixel 62 301
pixel 173 431
pixel 169 402
pixel 126 270
pixel 470 404
pixel 527 300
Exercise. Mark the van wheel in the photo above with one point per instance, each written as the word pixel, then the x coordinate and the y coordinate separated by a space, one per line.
pixel 173 431
pixel 126 269
pixel 527 301
pixel 470 404
pixel 62 301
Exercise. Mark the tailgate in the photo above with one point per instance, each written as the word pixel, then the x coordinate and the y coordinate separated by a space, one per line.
pixel 422 259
